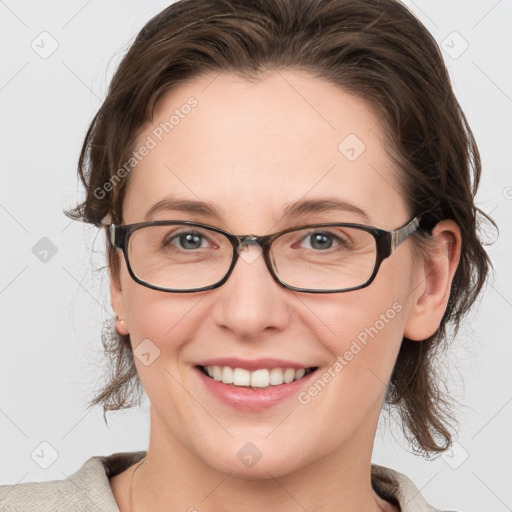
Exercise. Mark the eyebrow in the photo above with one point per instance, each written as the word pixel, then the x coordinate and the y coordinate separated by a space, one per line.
pixel 301 207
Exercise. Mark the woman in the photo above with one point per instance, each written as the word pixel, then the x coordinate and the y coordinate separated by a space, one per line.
pixel 287 191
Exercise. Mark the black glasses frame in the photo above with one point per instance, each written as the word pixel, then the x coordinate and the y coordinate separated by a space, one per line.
pixel 386 242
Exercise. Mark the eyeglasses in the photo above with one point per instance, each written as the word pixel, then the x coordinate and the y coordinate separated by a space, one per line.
pixel 183 256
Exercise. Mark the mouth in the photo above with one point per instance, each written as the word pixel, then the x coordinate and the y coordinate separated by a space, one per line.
pixel 258 379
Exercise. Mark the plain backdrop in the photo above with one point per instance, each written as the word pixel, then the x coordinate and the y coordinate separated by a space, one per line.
pixel 56 60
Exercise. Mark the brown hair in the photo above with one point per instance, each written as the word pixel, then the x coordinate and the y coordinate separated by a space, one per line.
pixel 376 49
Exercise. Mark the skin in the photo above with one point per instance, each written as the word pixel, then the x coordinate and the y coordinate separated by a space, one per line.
pixel 251 148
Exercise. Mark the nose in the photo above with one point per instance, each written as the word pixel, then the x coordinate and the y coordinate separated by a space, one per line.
pixel 250 302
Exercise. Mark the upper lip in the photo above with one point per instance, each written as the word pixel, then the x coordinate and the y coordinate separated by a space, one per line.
pixel 253 364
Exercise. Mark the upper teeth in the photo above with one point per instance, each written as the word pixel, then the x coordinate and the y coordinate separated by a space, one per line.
pixel 258 378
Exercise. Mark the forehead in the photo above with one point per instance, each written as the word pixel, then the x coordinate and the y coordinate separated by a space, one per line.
pixel 251 148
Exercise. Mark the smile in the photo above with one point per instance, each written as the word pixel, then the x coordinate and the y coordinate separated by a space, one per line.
pixel 260 378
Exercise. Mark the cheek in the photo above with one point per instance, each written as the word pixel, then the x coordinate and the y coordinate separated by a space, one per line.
pixel 159 315
pixel 161 324
pixel 362 331
pixel 166 320
pixel 364 344
pixel 361 327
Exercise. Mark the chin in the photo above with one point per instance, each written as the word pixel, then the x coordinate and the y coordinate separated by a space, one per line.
pixel 245 461
pixel 261 470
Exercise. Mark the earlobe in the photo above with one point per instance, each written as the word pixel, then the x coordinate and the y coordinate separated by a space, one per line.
pixel 117 301
pixel 433 285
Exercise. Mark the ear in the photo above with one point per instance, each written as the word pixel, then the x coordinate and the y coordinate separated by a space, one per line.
pixel 117 301
pixel 433 283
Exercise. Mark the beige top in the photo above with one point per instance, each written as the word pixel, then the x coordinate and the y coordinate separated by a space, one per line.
pixel 89 489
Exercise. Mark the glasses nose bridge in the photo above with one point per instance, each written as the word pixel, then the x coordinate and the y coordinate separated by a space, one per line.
pixel 263 241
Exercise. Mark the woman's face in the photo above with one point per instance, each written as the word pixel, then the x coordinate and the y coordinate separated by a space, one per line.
pixel 252 149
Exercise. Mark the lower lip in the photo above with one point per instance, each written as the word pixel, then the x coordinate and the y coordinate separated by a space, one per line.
pixel 253 399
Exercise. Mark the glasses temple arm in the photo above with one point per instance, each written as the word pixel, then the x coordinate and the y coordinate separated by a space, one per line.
pixel 401 234
pixel 111 234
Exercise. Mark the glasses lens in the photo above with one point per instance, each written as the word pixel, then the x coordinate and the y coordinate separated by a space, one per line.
pixel 178 256
pixel 325 258
pixel 186 257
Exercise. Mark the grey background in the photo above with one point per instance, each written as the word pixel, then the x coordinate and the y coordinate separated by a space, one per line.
pixel 51 311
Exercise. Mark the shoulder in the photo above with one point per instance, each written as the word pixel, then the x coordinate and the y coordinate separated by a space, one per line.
pixel 392 485
pixel 86 489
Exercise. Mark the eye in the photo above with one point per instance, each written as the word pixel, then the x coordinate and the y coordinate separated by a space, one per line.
pixel 323 240
pixel 187 240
